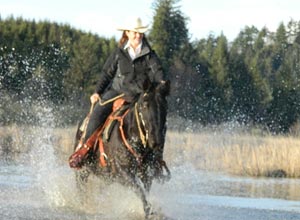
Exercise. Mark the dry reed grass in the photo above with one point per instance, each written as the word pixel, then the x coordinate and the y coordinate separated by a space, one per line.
pixel 233 153
pixel 239 154
pixel 17 140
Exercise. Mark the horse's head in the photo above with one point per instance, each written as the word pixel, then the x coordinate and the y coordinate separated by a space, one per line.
pixel 152 110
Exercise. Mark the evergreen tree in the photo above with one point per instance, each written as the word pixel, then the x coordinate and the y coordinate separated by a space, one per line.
pixel 259 71
pixel 250 88
pixel 284 109
pixel 169 32
pixel 219 72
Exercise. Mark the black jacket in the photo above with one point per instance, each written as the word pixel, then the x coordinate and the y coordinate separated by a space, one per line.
pixel 124 75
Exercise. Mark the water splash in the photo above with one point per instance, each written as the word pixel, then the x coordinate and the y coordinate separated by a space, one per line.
pixel 44 187
pixel 43 161
pixel 55 181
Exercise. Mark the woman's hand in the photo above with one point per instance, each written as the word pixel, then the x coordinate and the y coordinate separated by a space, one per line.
pixel 94 98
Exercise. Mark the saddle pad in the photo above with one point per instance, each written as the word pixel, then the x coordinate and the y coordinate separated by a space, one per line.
pixel 112 121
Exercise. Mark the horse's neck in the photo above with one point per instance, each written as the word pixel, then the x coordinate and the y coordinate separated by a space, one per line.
pixel 130 125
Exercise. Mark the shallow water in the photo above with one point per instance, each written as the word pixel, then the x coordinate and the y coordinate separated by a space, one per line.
pixel 38 184
pixel 41 190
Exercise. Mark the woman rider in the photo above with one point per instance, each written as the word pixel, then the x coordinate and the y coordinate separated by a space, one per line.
pixel 127 68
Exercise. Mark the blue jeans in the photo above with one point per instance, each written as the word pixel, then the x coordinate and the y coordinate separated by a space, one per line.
pixel 100 114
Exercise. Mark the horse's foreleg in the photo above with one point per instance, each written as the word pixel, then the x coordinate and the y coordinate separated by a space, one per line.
pixel 146 176
pixel 132 181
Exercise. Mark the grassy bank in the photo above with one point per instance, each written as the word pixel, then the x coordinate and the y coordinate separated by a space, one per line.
pixel 238 154
pixel 15 141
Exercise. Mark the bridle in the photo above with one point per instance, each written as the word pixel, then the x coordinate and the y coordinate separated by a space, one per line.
pixel 143 131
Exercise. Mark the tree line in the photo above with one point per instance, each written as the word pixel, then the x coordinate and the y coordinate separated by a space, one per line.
pixel 252 80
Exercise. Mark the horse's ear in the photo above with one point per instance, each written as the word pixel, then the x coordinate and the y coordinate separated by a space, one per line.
pixel 164 88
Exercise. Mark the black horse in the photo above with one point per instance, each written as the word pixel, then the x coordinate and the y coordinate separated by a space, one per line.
pixel 133 154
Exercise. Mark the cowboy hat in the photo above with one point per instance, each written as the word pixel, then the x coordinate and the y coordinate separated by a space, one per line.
pixel 135 25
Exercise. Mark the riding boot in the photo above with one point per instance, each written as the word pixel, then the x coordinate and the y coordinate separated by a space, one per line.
pixel 76 159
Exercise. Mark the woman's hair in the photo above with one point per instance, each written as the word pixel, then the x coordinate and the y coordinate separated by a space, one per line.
pixel 123 39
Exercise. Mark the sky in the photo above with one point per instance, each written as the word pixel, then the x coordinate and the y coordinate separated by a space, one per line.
pixel 102 17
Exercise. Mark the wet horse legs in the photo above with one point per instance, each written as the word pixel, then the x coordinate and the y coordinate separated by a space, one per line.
pixel 132 180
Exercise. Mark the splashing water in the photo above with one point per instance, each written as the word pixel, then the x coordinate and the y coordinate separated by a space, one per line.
pixel 52 181
pixel 41 186
pixel 50 184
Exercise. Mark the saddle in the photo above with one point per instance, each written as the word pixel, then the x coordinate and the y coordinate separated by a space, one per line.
pixel 119 110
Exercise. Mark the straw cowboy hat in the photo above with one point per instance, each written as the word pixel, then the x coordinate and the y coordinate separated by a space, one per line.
pixel 135 25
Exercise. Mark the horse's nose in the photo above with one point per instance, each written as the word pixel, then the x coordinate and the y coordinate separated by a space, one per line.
pixel 155 138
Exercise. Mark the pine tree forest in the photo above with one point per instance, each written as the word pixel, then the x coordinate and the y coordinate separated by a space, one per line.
pixel 254 79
